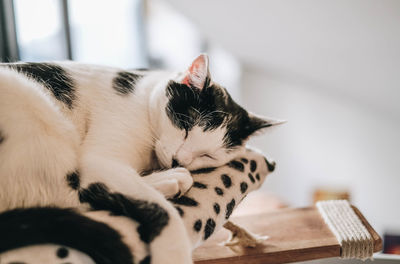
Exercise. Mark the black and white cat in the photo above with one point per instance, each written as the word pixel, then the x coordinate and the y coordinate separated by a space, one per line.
pixel 68 128
pixel 50 235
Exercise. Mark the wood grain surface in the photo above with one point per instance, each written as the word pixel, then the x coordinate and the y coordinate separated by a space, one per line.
pixel 294 235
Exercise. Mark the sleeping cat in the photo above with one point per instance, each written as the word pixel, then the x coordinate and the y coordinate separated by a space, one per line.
pixel 53 235
pixel 68 128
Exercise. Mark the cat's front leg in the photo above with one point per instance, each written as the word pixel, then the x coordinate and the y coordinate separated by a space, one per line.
pixel 108 184
pixel 171 182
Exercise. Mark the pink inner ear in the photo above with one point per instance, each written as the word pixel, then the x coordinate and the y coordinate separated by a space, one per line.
pixel 186 80
pixel 197 66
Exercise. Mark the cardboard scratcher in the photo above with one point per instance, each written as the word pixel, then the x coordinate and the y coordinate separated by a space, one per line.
pixel 294 235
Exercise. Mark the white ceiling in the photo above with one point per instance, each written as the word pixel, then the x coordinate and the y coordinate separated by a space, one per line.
pixel 349 48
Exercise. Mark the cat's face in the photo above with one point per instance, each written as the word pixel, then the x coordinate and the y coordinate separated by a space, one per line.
pixel 202 126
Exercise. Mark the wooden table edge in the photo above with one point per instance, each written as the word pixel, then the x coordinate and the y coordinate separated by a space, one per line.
pixel 371 230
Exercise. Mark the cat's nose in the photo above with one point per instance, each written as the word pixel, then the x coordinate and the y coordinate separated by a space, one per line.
pixel 175 163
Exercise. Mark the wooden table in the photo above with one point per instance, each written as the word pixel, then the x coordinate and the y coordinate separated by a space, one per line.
pixel 294 235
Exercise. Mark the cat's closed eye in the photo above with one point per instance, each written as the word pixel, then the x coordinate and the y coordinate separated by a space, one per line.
pixel 205 155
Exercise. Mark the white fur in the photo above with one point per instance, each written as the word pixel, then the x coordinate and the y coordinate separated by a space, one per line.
pixel 206 199
pixel 170 182
pixel 109 138
pixel 44 254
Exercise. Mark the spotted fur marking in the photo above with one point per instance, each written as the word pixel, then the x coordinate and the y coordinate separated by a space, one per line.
pixel 197 225
pixel 253 165
pixel 151 217
pixel 180 211
pixel 203 170
pixel 226 180
pixel 209 228
pixel 217 208
pixel 229 208
pixel 219 191
pixel 251 177
pixel 237 165
pixel 73 180
pixel 62 252
pixel 124 83
pixel 199 185
pixel 270 165
pixel 50 225
pixel 245 161
pixel 184 200
pixel 243 187
pixel 55 78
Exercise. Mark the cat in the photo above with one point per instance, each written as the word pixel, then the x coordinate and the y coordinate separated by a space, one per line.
pixel 67 129
pixel 204 209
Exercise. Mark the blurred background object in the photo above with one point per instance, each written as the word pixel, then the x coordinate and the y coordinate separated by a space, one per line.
pixel 391 243
pixel 331 68
pixel 331 193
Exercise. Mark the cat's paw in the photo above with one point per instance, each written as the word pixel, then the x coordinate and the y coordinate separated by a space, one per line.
pixel 172 182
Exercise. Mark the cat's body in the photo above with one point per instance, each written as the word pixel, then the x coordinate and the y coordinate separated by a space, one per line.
pixel 93 131
pixel 68 128
pixel 204 209
pixel 94 118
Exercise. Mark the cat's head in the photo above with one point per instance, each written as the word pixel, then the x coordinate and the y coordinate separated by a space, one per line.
pixel 201 125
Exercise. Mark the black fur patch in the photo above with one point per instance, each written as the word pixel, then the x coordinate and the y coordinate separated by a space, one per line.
pixel 47 225
pixel 219 191
pixel 199 185
pixel 203 170
pixel 151 217
pixel 270 165
pixel 229 208
pixel 237 165
pixel 184 200
pixel 243 187
pixel 217 209
pixel 146 260
pixel 258 176
pixel 209 108
pixel 209 228
pixel 124 83
pixel 253 165
pixel 174 163
pixel 180 210
pixel 62 252
pixel 51 76
pixel 245 161
pixel 177 194
pixel 189 106
pixel 226 180
pixel 73 180
pixel 197 225
pixel 251 178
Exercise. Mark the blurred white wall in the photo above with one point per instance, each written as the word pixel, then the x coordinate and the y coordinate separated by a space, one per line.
pixel 329 141
pixel 332 69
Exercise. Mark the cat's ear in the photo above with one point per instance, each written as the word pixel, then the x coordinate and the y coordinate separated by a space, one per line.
pixel 258 125
pixel 198 74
